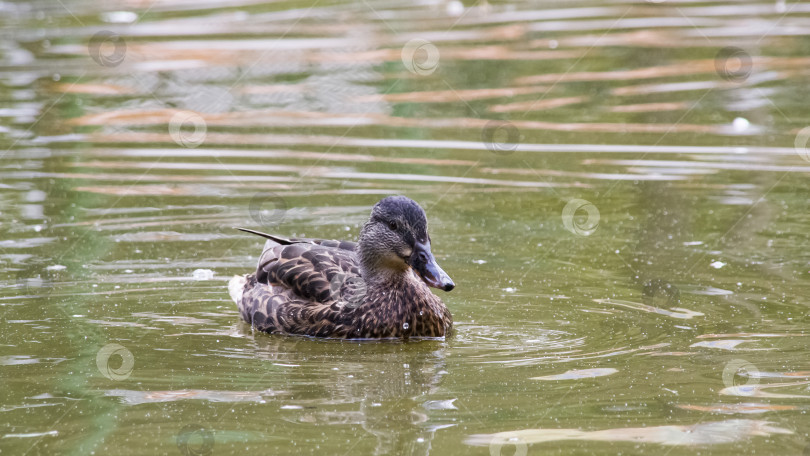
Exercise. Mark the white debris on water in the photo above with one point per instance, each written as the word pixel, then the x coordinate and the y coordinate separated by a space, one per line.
pixel 119 17
pixel 446 404
pixel 740 124
pixel 35 196
pixel 202 274
pixel 717 264
pixel 455 8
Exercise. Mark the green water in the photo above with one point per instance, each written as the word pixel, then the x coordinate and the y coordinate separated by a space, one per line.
pixel 628 242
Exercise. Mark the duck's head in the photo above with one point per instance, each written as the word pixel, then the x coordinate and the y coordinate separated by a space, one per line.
pixel 395 238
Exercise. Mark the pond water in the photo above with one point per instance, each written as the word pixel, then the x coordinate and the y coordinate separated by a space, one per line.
pixel 619 190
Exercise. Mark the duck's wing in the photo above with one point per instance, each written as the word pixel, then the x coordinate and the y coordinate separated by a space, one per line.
pixel 312 269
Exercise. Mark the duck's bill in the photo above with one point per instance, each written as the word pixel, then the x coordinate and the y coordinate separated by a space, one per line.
pixel 423 262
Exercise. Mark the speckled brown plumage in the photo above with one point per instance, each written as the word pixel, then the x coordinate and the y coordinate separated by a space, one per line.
pixel 335 289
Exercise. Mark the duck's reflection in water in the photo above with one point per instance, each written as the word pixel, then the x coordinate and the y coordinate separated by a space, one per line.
pixel 385 389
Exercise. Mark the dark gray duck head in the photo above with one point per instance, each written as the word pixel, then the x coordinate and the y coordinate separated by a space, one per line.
pixel 396 238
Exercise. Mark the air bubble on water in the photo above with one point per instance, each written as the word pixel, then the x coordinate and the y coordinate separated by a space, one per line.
pixel 405 325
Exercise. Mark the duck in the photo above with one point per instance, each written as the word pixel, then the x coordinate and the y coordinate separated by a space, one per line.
pixel 375 288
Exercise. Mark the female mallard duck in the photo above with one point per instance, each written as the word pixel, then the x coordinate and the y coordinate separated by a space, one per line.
pixel 375 288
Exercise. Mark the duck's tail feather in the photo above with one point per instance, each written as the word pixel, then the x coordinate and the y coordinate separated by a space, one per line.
pixel 277 239
pixel 236 287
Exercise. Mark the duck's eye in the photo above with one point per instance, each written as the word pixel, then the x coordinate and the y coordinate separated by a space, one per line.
pixel 392 225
